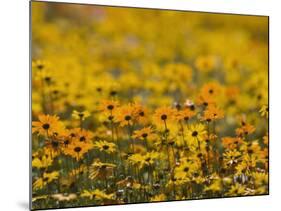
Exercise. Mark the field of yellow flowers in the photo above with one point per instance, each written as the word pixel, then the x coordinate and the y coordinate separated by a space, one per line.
pixel 135 105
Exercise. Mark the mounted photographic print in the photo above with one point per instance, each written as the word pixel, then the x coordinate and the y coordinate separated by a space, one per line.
pixel 138 105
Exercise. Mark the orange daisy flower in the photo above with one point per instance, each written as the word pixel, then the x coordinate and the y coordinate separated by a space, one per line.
pixel 77 150
pixel 126 115
pixel 212 113
pixel 164 114
pixel 47 125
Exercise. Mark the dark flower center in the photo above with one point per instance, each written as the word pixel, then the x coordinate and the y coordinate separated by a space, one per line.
pixel 110 118
pixel 99 89
pixel 112 93
pixel 250 151
pixel 80 115
pixel 144 135
pixel 40 66
pixel 105 147
pixel 194 133
pixel 55 144
pixel 171 142
pixel 103 166
pixel 186 118
pixel 211 91
pixel 46 126
pixel 56 92
pixel 141 113
pixel 82 138
pixel 186 169
pixel 66 142
pixel 192 107
pixel 178 106
pixel 147 159
pixel 232 102
pixel 78 96
pixel 72 135
pixel 47 79
pixel 45 179
pixel 77 149
pixel 196 174
pixel 110 107
pixel 164 117
pixel 127 117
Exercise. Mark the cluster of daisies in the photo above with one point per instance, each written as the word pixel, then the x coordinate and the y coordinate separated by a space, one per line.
pixel 139 155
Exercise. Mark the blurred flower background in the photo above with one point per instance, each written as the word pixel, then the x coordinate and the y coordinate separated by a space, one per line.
pixel 139 105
